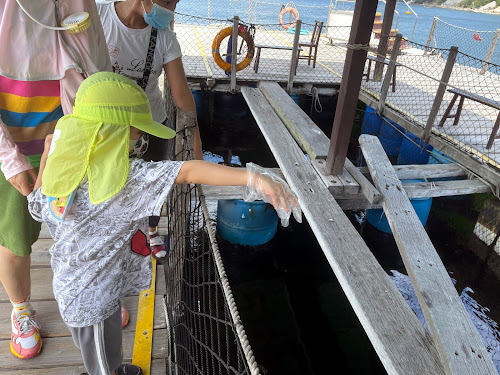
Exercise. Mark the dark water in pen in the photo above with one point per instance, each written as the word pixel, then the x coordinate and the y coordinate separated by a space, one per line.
pixel 295 313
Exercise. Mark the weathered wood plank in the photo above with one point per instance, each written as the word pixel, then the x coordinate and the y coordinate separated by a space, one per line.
pixel 445 188
pixel 300 125
pixel 53 326
pixel 41 285
pixel 457 340
pixel 62 352
pixel 158 367
pixel 400 340
pixel 411 171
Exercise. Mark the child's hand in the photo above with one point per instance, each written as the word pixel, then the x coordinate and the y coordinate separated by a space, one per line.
pixel 267 186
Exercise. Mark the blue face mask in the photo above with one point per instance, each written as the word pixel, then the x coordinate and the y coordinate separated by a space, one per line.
pixel 159 17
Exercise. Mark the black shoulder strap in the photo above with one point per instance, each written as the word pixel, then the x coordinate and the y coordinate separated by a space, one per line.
pixel 143 82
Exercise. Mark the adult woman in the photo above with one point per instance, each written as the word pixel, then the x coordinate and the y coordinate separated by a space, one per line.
pixel 33 96
pixel 137 32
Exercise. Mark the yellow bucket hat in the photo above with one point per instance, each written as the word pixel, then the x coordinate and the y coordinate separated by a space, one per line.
pixel 94 140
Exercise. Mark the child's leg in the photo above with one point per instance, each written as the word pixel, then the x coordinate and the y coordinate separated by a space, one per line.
pixel 158 249
pixel 100 344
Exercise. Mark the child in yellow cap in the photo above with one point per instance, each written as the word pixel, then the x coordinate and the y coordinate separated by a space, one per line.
pixel 87 159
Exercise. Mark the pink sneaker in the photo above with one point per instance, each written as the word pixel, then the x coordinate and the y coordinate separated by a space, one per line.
pixel 25 340
pixel 125 317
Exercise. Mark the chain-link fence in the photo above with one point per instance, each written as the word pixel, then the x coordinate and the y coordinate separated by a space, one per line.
pixel 206 333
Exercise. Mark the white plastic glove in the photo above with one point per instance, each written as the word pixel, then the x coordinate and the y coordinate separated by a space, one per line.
pixel 269 187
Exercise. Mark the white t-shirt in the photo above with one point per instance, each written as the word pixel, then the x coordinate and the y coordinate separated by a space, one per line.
pixel 100 252
pixel 128 49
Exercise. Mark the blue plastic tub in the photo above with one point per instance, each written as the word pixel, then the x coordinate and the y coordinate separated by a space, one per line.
pixel 371 122
pixel 295 98
pixel 413 150
pixel 391 137
pixel 422 207
pixel 246 223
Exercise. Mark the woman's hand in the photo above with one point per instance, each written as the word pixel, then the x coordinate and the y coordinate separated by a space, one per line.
pixel 24 181
pixel 267 186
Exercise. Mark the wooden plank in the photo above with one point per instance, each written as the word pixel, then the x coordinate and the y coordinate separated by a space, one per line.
pixel 304 130
pixel 457 340
pixel 53 326
pixel 41 285
pixel 403 345
pixel 445 188
pixel 158 367
pixel 367 189
pixel 413 171
pixel 62 352
pixel 349 184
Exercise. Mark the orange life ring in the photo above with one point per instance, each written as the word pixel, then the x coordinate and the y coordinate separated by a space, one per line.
pixel 224 33
pixel 285 11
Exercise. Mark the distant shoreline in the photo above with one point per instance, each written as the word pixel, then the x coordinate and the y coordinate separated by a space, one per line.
pixel 495 11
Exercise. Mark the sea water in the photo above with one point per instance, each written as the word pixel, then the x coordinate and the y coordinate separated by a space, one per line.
pixel 415 28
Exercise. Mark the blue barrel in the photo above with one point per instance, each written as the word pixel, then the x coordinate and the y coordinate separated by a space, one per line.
pixel 413 150
pixel 198 100
pixel 246 223
pixel 371 122
pixel 295 98
pixel 422 207
pixel 391 136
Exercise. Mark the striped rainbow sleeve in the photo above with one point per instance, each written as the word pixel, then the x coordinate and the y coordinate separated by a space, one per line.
pixel 30 109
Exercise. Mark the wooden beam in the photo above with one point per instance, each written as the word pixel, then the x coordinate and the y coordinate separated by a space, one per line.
pixel 307 134
pixel 409 171
pixel 403 345
pixel 364 14
pixel 390 6
pixel 460 347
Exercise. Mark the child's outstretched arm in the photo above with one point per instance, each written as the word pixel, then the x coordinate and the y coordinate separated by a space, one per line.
pixel 261 184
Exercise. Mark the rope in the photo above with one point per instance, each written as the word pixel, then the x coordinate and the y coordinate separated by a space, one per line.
pixel 464 28
pixel 356 47
pixel 316 100
pixel 228 294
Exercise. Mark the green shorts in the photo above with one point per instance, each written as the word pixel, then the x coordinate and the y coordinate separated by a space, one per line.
pixel 18 230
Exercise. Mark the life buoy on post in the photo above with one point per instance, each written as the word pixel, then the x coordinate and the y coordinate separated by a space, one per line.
pixel 224 33
pixel 286 10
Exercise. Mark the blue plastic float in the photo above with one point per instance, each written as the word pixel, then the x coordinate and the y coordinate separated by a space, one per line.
pixel 422 207
pixel 413 150
pixel 246 223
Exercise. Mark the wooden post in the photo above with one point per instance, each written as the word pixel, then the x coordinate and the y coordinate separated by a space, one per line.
pixel 362 23
pixel 234 52
pixel 294 61
pixel 440 92
pixel 385 33
pixel 490 51
pixel 431 35
pixel 388 74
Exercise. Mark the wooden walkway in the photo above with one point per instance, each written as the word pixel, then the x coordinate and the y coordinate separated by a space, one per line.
pixel 59 354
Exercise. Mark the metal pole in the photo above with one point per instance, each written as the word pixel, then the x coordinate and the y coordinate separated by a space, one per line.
pixel 209 10
pixel 234 52
pixel 490 51
pixel 250 11
pixel 388 74
pixel 431 34
pixel 295 60
pixel 440 92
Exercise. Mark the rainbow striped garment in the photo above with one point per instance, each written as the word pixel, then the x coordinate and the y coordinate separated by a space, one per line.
pixel 30 109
